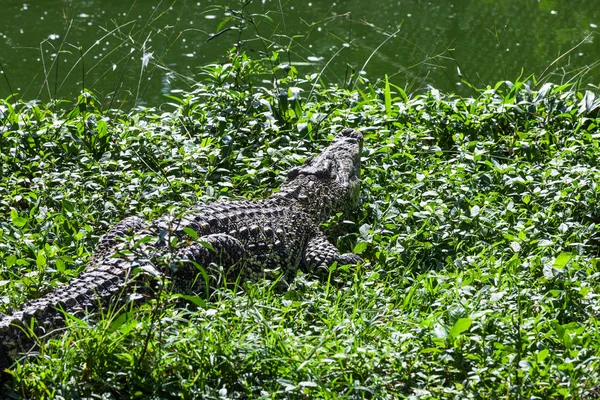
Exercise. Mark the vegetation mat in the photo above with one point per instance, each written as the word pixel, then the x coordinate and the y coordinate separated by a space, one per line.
pixel 478 224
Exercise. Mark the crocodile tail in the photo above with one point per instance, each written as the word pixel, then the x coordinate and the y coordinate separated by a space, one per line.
pixel 92 289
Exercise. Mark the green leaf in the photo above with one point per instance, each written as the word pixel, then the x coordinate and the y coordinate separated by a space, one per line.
pixel 284 102
pixel 587 103
pixel 192 299
pixel 17 221
pixel 207 245
pixel 223 23
pixel 102 128
pixel 148 269
pixel 74 113
pixel 60 265
pixel 460 326
pixel 123 323
pixel 567 339
pixel 515 246
pixel 11 260
pixel 388 97
pixel 360 247
pixel 191 233
pixel 542 355
pixel 401 92
pixel 40 260
pixel 562 260
pixel 429 350
pixel 68 316
pixel 67 205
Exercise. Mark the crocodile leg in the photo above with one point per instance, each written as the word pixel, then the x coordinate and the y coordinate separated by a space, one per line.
pixel 320 255
pixel 220 249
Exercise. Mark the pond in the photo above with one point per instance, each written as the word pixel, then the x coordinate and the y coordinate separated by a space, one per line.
pixel 134 52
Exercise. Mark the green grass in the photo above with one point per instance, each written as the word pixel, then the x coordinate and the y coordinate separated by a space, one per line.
pixel 478 223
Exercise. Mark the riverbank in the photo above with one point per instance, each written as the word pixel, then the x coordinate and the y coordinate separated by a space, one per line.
pixel 478 225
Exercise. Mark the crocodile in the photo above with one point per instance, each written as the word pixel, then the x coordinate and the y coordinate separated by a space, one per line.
pixel 231 241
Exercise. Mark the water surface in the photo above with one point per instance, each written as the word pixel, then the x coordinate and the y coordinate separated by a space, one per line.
pixel 134 52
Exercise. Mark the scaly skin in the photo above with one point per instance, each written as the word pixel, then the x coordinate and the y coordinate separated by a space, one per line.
pixel 249 240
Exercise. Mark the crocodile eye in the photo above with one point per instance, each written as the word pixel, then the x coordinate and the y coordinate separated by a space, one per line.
pixel 327 172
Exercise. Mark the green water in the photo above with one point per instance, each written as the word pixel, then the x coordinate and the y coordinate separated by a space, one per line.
pixel 133 52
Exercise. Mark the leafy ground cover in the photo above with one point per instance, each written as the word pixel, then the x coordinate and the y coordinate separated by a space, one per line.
pixel 478 225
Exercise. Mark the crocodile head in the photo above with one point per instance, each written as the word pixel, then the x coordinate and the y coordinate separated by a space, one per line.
pixel 330 182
